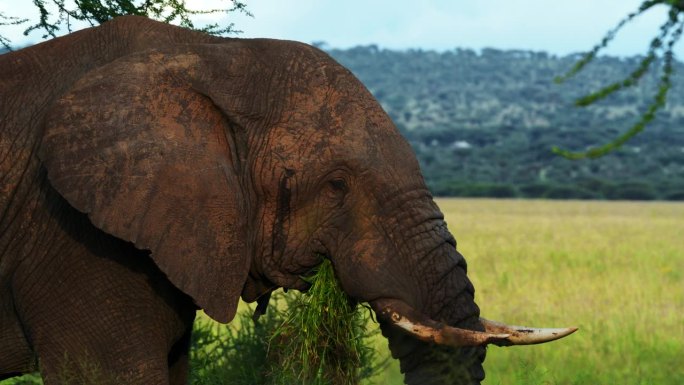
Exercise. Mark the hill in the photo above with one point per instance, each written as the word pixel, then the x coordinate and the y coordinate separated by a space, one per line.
pixel 483 123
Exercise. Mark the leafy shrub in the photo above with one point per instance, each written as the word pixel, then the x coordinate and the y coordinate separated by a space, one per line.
pixel 490 190
pixel 477 190
pixel 675 196
pixel 569 192
pixel 446 188
pixel 534 190
pixel 28 379
pixel 222 352
pixel 632 191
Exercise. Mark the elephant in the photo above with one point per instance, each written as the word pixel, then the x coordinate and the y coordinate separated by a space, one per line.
pixel 148 171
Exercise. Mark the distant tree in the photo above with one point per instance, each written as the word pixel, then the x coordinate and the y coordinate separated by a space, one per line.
pixel 660 47
pixel 97 12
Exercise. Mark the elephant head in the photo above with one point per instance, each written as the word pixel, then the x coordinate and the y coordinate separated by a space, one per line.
pixel 239 163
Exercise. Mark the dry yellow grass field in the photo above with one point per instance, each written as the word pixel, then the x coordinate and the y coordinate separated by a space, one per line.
pixel 614 269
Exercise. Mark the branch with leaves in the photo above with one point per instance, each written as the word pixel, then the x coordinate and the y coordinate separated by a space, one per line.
pixel 56 16
pixel 661 47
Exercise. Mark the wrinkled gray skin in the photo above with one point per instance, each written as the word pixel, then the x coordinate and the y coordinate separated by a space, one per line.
pixel 147 170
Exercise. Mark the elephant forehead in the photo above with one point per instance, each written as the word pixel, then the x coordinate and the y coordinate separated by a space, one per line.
pixel 327 115
pixel 322 135
pixel 340 126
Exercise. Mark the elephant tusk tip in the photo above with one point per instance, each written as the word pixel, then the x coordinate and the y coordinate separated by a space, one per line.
pixel 562 332
pixel 522 335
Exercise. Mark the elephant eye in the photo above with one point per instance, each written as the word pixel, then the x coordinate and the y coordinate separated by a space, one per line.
pixel 339 184
pixel 336 189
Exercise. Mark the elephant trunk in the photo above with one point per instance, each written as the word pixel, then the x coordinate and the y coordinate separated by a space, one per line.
pixel 426 363
pixel 447 299
pixel 440 337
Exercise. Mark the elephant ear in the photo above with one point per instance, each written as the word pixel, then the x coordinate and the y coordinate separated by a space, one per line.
pixel 152 161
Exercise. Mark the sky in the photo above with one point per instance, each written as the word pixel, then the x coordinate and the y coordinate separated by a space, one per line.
pixel 558 27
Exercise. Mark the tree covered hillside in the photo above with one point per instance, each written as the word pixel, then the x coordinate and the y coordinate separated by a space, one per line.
pixel 483 124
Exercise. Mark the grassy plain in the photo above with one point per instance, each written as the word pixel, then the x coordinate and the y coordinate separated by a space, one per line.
pixel 614 269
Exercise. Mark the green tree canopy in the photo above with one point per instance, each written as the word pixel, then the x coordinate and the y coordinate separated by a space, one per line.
pixel 659 54
pixel 58 16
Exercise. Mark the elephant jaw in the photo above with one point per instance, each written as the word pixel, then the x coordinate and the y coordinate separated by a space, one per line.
pixel 403 316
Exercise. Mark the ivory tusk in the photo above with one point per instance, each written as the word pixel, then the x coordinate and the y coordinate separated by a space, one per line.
pixel 403 316
pixel 443 335
pixel 521 335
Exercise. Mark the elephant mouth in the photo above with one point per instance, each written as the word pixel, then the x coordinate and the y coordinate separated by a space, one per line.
pixel 402 316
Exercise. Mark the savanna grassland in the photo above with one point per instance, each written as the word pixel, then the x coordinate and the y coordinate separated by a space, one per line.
pixel 614 269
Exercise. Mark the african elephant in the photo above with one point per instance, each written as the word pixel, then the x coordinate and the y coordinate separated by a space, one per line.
pixel 147 171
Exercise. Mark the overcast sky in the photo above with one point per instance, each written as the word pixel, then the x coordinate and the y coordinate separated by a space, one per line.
pixel 559 27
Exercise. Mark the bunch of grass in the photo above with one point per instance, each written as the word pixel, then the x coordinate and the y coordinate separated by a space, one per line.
pixel 315 338
pixel 321 341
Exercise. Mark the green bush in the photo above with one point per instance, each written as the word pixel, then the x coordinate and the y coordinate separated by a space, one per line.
pixel 534 190
pixel 490 190
pixel 473 190
pixel 632 191
pixel 569 192
pixel 221 352
pixel 446 188
pixel 675 196
pixel 28 379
